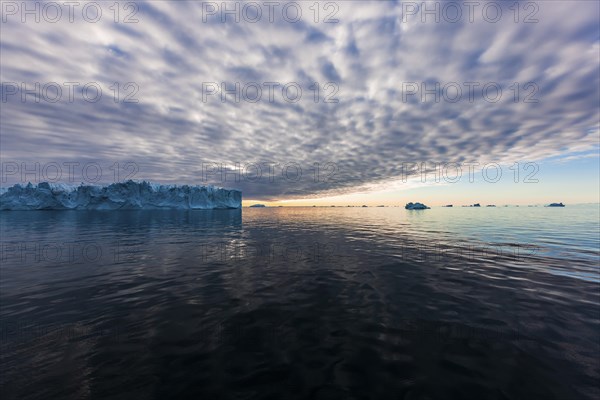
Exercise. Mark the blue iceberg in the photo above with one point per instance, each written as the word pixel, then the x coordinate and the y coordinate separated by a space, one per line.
pixel 128 195
pixel 416 206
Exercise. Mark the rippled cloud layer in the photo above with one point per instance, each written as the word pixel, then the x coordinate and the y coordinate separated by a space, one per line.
pixel 366 86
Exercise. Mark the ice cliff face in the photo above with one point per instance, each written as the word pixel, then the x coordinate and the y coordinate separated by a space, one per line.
pixel 128 195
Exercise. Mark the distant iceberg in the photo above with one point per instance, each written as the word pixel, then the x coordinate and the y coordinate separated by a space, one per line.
pixel 416 206
pixel 257 206
pixel 128 195
pixel 555 205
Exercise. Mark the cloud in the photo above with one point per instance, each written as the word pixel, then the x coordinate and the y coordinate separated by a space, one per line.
pixel 365 61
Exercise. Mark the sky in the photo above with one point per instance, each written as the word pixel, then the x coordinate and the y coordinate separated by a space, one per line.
pixel 301 103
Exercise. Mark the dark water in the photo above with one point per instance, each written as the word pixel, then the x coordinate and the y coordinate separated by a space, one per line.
pixel 305 303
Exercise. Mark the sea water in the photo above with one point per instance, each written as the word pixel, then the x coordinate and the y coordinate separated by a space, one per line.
pixel 323 303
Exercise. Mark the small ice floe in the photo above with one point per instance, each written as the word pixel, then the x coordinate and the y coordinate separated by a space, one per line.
pixel 416 206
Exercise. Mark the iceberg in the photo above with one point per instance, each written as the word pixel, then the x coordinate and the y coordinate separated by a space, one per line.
pixel 257 206
pixel 555 205
pixel 128 195
pixel 416 206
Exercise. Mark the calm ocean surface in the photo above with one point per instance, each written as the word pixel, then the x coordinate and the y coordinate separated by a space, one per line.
pixel 302 303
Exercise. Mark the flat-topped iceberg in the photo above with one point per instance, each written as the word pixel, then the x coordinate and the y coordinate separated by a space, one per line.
pixel 128 195
pixel 416 206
